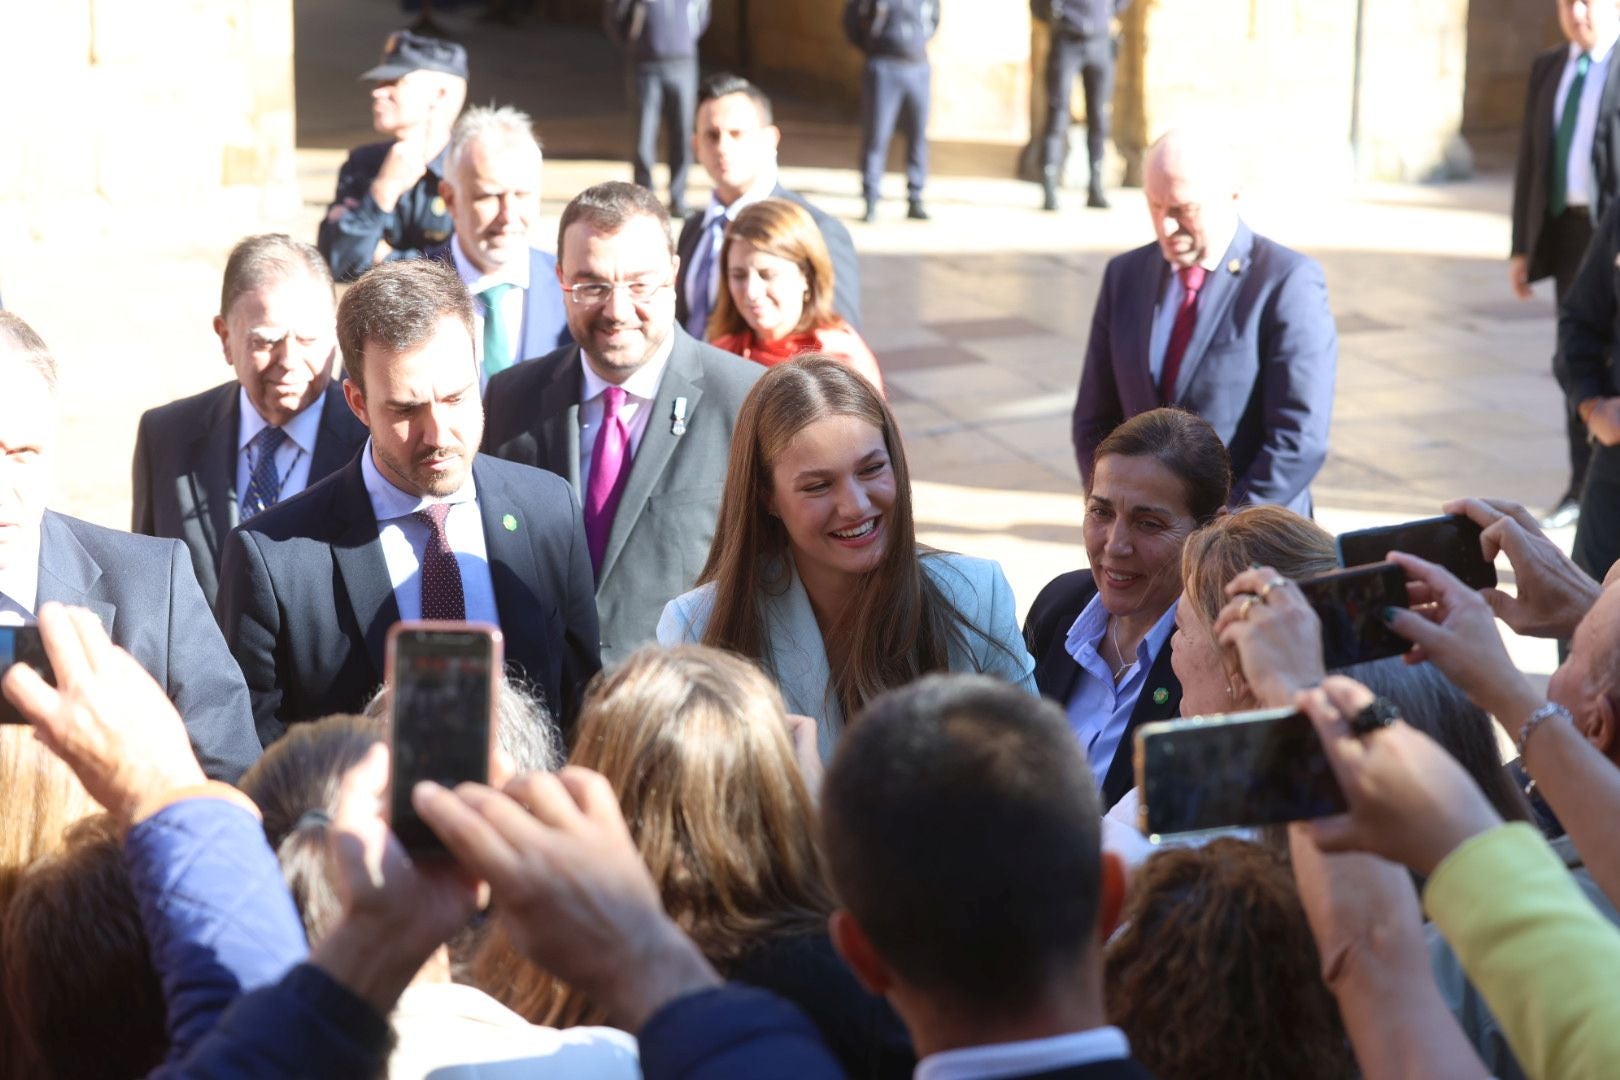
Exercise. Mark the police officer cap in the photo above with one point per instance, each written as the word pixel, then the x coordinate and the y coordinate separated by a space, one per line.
pixel 406 51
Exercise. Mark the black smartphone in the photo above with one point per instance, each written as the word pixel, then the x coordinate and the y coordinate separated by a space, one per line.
pixel 1238 770
pixel 443 678
pixel 1350 605
pixel 1452 542
pixel 22 645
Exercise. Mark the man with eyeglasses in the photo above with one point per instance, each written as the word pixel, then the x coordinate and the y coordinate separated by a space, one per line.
pixel 636 415
pixel 206 462
pixel 1218 320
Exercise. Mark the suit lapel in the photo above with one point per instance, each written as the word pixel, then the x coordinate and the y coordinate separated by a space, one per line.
pixel 67 573
pixel 1143 393
pixel 691 230
pixel 682 379
pixel 357 551
pixel 335 445
pixel 1161 682
pixel 212 470
pixel 1214 301
pixel 556 419
pixel 512 569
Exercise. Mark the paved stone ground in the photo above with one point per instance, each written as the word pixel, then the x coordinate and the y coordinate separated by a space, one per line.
pixel 978 318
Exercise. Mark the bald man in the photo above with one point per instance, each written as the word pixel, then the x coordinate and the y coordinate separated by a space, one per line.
pixel 1218 320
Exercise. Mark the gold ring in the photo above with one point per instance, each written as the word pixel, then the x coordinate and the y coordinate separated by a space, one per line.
pixel 1248 602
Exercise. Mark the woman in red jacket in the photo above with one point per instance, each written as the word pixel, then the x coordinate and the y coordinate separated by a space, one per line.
pixel 777 303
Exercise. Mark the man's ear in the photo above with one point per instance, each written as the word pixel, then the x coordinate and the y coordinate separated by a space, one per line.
pixel 1601 725
pixel 1110 895
pixel 356 399
pixel 447 192
pixel 224 333
pixel 773 135
pixel 856 949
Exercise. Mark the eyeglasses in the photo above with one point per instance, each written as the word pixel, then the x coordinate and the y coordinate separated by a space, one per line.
pixel 592 293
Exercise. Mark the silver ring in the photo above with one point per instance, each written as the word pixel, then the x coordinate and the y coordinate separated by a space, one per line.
pixel 1274 583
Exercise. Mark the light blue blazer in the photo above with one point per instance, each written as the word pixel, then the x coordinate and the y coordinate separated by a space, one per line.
pixel 797 656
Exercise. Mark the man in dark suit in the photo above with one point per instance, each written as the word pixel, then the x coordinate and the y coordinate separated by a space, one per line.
pixel 962 838
pixel 492 190
pixel 1081 42
pixel 1218 320
pixel 1568 170
pixel 142 589
pixel 736 141
pixel 281 420
pixel 637 416
pixel 660 41
pixel 896 88
pixel 416 526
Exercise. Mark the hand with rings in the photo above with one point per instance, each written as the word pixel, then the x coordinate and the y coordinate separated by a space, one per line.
pixel 1276 634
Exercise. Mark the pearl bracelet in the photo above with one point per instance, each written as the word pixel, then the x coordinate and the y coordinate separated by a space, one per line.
pixel 1550 709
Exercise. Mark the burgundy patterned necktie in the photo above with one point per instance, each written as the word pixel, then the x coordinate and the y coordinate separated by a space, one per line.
pixel 442 597
pixel 1192 279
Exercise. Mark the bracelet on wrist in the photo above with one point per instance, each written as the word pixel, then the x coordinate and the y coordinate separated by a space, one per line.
pixel 1535 720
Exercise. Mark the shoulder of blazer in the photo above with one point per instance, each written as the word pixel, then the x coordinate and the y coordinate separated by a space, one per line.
pixel 177 420
pixel 717 370
pixel 1057 605
pixel 514 479
pixel 321 512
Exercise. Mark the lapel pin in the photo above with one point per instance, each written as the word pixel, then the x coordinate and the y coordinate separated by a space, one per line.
pixel 677 417
pixel 509 523
pixel 1160 696
pixel 1234 267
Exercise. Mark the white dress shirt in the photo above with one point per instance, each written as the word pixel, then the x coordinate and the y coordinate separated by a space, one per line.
pixel 404 539
pixel 758 193
pixel 515 272
pixel 1164 316
pixel 19 581
pixel 1024 1058
pixel 294 454
pixel 640 389
pixel 1578 169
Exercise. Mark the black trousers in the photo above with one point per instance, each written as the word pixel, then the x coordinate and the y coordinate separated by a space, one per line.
pixel 1566 238
pixel 664 90
pixel 1597 533
pixel 1093 60
pixel 894 91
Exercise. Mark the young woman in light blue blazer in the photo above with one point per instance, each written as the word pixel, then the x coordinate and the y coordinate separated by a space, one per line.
pixel 815 571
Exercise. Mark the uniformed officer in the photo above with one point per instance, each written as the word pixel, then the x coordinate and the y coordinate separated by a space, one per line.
pixel 894 36
pixel 660 40
pixel 388 205
pixel 1082 42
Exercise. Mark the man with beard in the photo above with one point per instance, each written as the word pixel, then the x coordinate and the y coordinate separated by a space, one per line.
pixel 415 527
pixel 637 415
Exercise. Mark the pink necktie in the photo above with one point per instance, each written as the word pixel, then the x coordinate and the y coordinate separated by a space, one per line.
pixel 1192 279
pixel 609 468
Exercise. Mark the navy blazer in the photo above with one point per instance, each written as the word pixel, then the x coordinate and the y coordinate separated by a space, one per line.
pixel 306 601
pixel 146 596
pixel 545 320
pixel 840 248
pixel 1260 366
pixel 185 469
pixel 1046 632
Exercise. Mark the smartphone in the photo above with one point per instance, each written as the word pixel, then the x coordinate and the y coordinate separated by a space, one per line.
pixel 443 680
pixel 1238 770
pixel 1452 542
pixel 22 645
pixel 1349 604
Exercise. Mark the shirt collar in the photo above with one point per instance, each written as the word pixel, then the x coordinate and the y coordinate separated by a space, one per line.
pixel 758 193
pixel 1215 254
pixel 20 581
pixel 643 382
pixel 1087 631
pixel 515 272
pixel 1599 52
pixel 1026 1057
pixel 301 429
pixel 389 502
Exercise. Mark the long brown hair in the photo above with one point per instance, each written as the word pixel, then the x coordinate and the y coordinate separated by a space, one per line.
pixel 39 798
pixel 695 742
pixel 784 229
pixel 898 625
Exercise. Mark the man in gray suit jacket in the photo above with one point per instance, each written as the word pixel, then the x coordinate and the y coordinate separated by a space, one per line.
pixel 1217 320
pixel 282 418
pixel 142 590
pixel 637 416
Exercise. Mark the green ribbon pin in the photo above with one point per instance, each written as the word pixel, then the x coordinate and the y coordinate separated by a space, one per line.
pixel 510 523
pixel 1160 696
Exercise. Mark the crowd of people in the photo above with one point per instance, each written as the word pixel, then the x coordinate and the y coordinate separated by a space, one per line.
pixel 775 789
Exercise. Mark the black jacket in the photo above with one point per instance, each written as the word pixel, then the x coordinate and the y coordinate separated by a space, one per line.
pixel 1078 18
pixel 897 28
pixel 656 29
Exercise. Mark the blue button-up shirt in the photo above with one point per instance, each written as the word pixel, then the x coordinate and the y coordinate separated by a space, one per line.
pixel 1100 707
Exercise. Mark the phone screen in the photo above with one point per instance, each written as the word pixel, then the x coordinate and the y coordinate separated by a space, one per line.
pixel 1350 604
pixel 22 645
pixel 1241 770
pixel 442 679
pixel 1451 542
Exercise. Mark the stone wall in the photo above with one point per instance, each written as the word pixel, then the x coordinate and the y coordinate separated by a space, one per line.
pixel 1503 37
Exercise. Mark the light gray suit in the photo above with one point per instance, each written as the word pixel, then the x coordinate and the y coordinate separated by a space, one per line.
pixel 665 521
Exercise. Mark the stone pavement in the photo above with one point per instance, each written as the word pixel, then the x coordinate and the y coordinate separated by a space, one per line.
pixel 978 318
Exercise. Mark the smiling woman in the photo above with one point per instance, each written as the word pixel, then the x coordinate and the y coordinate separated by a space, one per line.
pixel 815 570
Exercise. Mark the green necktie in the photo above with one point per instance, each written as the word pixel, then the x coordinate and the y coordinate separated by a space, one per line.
pixel 497 345
pixel 1558 192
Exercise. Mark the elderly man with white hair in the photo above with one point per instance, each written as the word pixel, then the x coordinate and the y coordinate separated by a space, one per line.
pixel 1218 320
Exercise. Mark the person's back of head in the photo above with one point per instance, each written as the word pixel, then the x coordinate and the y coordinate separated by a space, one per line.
pixel 1296 547
pixel 960 826
pixel 1215 973
pixel 78 994
pixel 39 798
